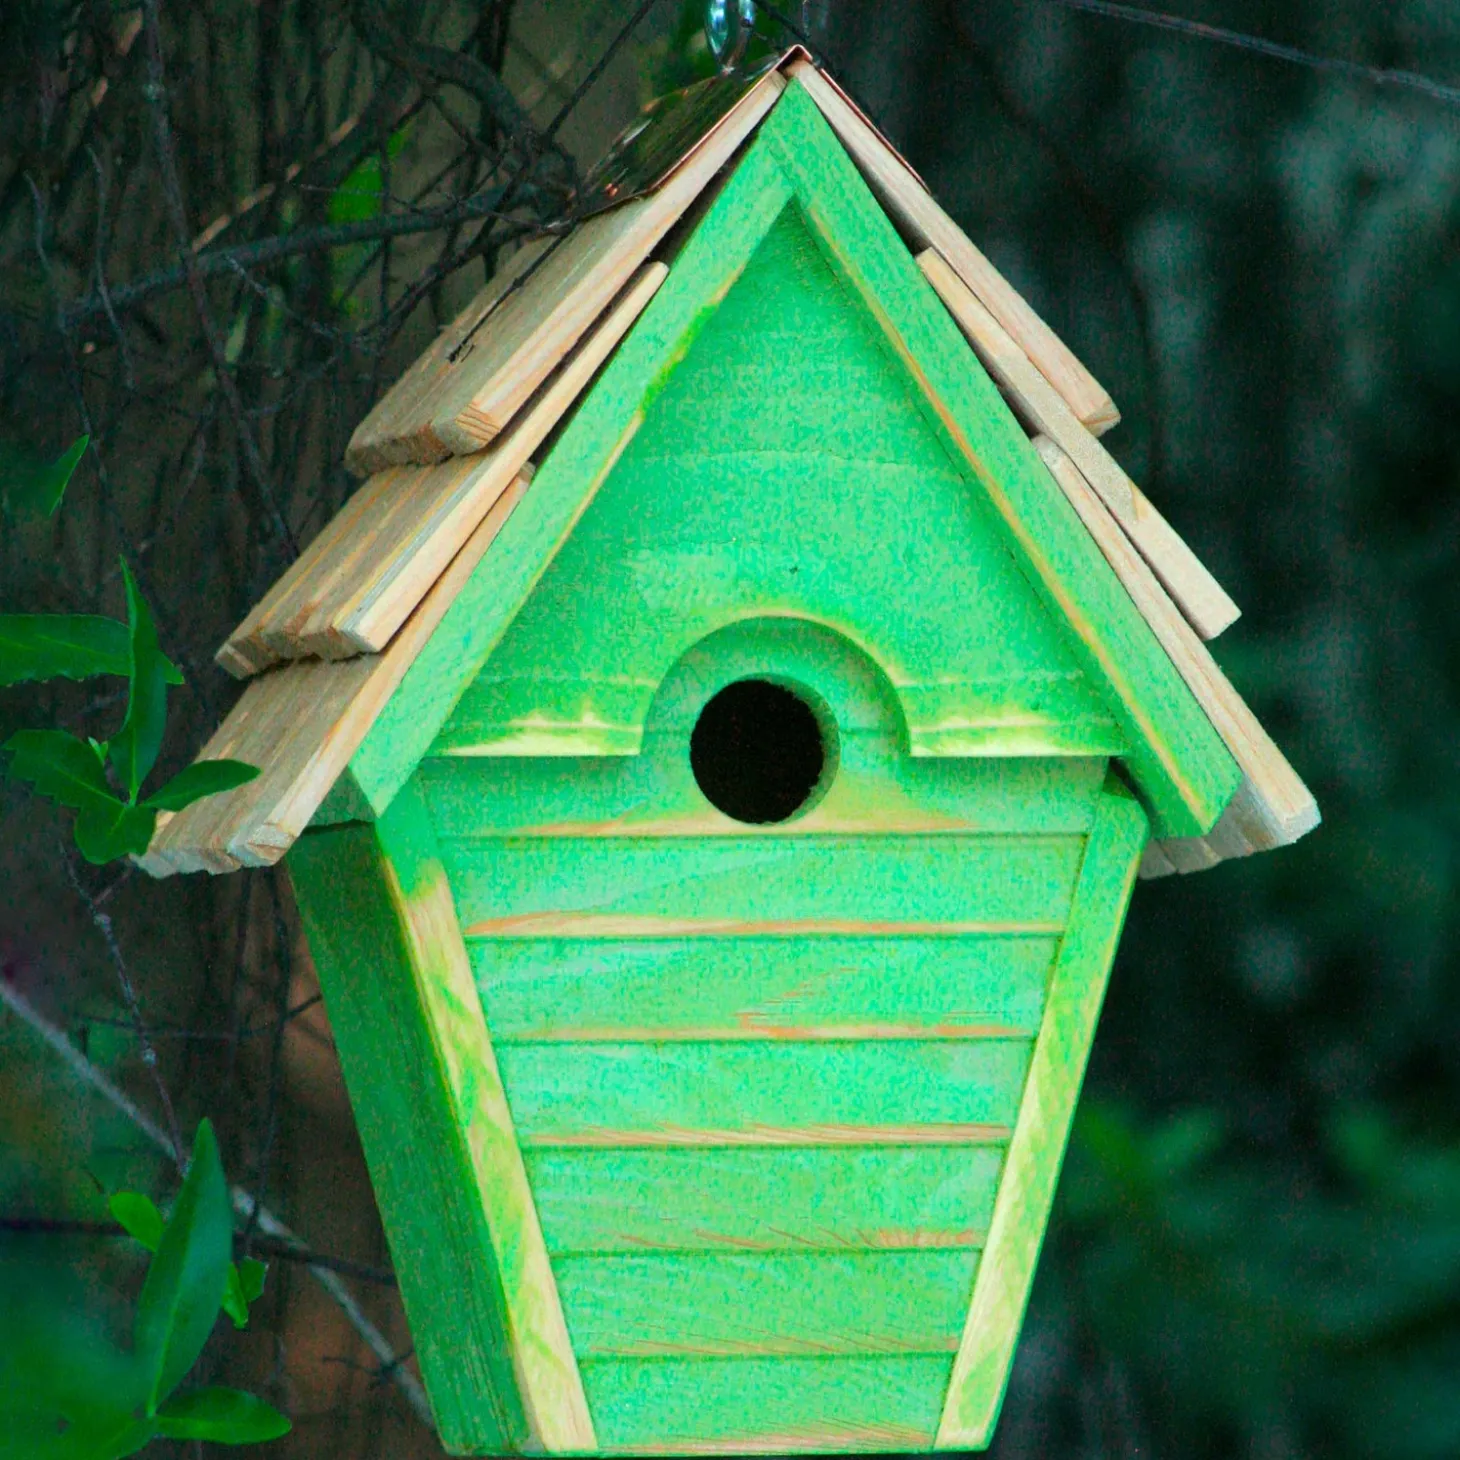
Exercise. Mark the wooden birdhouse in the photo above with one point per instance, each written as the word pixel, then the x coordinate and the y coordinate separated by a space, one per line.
pixel 714 842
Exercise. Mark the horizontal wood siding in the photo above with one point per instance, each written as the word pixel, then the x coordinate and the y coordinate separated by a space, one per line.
pixel 877 790
pixel 751 1304
pixel 609 1092
pixel 767 988
pixel 766 1406
pixel 1024 882
pixel 771 1198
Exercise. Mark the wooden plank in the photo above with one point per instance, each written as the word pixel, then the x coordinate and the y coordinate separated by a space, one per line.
pixel 301 724
pixel 404 1108
pixel 927 225
pixel 668 1305
pixel 878 788
pixel 468 386
pixel 1201 598
pixel 678 1137
pixel 1272 807
pixel 1175 756
pixel 360 579
pixel 676 989
pixel 542 1354
pixel 773 1198
pixel 1056 1072
pixel 766 1406
pixel 582 1091
pixel 846 884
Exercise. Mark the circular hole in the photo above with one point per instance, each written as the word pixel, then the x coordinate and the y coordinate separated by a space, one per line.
pixel 757 751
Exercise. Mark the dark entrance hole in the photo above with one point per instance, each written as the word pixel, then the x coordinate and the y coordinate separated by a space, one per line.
pixel 757 751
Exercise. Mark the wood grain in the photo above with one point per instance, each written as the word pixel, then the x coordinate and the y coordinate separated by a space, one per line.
pixel 406 1115
pixel 1047 1109
pixel 361 578
pixel 926 225
pixel 771 988
pixel 745 1304
pixel 469 385
pixel 764 1198
pixel 766 1406
pixel 301 724
pixel 1201 598
pixel 562 1091
pixel 1272 807
pixel 670 1137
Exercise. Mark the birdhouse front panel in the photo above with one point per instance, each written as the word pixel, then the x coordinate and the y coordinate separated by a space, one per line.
pixel 764 826
pixel 719 839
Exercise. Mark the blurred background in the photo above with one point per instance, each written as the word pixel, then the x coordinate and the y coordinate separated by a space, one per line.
pixel 1256 1249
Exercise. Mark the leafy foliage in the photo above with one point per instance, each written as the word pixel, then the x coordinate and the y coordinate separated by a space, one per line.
pixel 67 1394
pixel 74 772
pixel 33 486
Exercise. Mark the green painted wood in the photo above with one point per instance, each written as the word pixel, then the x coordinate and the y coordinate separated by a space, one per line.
pixel 875 789
pixel 564 486
pixel 766 1406
pixel 1177 758
pixel 754 1304
pixel 679 988
pixel 604 1094
pixel 1179 762
pixel 1026 1193
pixel 419 1041
pixel 1003 882
pixel 758 484
pixel 419 1164
pixel 765 1199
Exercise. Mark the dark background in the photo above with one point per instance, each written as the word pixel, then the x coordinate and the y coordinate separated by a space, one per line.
pixel 1256 1250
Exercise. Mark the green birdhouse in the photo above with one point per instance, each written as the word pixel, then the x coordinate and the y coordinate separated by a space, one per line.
pixel 714 750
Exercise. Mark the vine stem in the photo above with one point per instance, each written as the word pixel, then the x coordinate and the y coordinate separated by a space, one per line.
pixel 243 1202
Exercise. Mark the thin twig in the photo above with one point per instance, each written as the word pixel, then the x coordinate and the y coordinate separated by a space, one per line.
pixel 1199 30
pixel 103 924
pixel 290 245
pixel 257 1246
pixel 155 92
pixel 267 1222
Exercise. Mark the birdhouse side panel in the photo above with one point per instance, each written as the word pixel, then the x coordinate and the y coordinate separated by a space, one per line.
pixel 440 1243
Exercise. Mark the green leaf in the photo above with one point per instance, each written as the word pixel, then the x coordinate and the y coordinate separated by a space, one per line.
pixel 67 769
pixel 134 749
pixel 224 1416
pixel 245 1285
pixel 251 1274
pixel 33 485
pixel 59 765
pixel 205 778
pixel 139 1215
pixel 106 833
pixel 100 1435
pixel 60 645
pixel 185 1283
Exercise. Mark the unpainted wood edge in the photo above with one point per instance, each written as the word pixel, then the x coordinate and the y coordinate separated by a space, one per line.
pixel 882 168
pixel 1272 807
pixel 1206 604
pixel 374 615
pixel 1041 1130
pixel 549 1381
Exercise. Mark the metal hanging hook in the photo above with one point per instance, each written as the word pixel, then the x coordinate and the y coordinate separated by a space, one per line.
pixel 728 27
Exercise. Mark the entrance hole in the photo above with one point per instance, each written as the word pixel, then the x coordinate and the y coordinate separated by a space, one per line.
pixel 757 752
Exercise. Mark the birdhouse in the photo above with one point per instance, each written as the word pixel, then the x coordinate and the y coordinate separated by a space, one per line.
pixel 714 750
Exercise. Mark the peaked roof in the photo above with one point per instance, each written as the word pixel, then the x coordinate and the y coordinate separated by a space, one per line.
pixel 451 447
